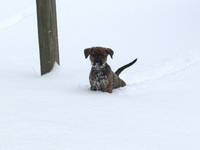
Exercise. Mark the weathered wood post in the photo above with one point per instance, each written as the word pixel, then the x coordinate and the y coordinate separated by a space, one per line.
pixel 48 34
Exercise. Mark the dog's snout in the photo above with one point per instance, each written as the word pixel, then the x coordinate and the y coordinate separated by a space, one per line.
pixel 98 61
pixel 98 64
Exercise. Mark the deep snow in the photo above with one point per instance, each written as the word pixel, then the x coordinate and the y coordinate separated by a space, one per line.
pixel 158 110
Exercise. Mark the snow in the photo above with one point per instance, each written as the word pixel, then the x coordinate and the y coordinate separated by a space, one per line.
pixel 158 110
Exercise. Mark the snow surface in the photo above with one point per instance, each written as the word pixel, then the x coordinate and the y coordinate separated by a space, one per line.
pixel 158 110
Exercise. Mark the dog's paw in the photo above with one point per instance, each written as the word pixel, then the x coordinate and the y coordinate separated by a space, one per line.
pixel 109 91
pixel 93 89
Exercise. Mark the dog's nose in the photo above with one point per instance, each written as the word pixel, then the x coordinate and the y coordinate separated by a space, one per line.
pixel 98 61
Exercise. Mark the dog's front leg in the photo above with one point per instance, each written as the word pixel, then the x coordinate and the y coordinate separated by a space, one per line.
pixel 109 88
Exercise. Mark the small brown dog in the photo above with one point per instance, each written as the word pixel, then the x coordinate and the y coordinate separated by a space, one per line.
pixel 102 78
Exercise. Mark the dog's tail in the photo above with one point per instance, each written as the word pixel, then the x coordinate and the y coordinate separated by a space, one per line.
pixel 124 67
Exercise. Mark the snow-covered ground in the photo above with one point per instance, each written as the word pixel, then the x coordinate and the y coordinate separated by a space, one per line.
pixel 158 110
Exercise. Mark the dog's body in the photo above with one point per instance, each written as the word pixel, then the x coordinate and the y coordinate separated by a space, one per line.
pixel 105 79
pixel 102 78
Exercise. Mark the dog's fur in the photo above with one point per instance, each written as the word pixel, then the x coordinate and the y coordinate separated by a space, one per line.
pixel 102 78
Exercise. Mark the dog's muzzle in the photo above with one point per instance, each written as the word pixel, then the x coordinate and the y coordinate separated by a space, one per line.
pixel 97 66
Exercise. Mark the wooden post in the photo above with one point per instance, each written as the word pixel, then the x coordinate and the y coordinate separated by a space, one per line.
pixel 48 34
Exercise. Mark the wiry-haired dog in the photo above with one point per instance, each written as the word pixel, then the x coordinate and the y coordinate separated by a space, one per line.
pixel 102 78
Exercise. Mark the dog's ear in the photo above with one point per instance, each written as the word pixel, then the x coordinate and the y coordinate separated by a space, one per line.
pixel 87 52
pixel 110 52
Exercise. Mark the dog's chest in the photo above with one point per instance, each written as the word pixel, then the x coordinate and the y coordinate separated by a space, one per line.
pixel 99 80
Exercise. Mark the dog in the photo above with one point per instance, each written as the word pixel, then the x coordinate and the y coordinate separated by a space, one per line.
pixel 102 78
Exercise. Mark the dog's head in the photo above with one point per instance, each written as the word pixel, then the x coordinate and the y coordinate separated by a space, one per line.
pixel 98 55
